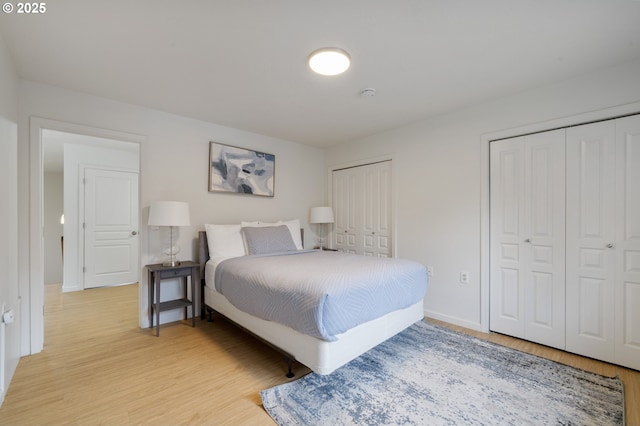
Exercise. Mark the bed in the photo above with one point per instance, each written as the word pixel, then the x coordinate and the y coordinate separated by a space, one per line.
pixel 250 256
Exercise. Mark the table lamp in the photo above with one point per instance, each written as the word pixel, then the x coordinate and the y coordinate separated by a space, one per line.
pixel 171 214
pixel 321 215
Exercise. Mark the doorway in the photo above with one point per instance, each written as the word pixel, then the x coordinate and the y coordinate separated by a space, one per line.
pixel 95 171
pixel 98 144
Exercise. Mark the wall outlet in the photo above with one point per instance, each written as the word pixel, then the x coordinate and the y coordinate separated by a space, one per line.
pixel 430 270
pixel 464 277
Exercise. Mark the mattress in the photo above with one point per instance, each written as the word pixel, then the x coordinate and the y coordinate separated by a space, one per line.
pixel 320 293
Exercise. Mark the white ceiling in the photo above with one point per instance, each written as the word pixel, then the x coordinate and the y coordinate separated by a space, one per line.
pixel 242 63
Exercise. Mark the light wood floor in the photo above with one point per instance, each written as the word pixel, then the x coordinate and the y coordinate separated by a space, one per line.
pixel 98 367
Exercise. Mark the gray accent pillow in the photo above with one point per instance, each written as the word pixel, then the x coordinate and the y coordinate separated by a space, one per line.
pixel 268 239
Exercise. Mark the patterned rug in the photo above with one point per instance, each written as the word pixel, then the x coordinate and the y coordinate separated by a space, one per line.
pixel 429 375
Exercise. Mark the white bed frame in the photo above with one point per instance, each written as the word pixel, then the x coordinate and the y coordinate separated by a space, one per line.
pixel 321 356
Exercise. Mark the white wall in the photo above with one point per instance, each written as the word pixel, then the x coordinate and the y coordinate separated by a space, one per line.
pixel 53 209
pixel 9 290
pixel 174 166
pixel 76 157
pixel 438 178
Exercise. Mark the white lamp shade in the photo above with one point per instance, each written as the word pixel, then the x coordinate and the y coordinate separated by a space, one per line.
pixel 169 213
pixel 321 215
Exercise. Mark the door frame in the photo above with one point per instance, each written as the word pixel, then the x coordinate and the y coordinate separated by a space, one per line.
pixel 33 318
pixel 485 140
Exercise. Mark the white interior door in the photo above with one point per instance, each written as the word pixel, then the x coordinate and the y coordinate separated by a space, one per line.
pixel 591 240
pixel 527 287
pixel 627 245
pixel 110 228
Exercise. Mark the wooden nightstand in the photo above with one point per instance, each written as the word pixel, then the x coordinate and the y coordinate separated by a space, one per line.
pixel 157 273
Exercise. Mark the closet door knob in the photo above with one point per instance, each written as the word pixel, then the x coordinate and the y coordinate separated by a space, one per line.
pixel 610 245
pixel 528 240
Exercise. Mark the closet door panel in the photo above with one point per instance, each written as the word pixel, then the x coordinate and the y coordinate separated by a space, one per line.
pixel 627 298
pixel 371 211
pixel 347 236
pixel 377 209
pixel 527 293
pixel 383 233
pixel 543 299
pixel 507 236
pixel 590 240
pixel 509 296
pixel 545 239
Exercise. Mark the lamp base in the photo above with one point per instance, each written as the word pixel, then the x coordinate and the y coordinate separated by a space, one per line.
pixel 171 263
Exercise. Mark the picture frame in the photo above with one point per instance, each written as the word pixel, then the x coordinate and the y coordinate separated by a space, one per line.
pixel 240 170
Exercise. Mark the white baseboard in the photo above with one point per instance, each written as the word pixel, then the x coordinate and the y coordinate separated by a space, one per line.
pixel 453 320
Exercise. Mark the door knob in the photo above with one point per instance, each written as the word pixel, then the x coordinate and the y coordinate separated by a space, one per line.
pixel 528 240
pixel 610 245
pixel 134 233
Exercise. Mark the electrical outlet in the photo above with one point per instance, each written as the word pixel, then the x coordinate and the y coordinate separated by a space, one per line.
pixel 430 270
pixel 464 277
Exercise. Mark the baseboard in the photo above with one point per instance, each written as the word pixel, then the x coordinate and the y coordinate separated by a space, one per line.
pixel 453 320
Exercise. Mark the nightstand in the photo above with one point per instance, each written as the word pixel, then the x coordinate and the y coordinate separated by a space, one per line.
pixel 157 273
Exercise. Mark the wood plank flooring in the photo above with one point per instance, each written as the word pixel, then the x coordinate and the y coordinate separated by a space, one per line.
pixel 98 367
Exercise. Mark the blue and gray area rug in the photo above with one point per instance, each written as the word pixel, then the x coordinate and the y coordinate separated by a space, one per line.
pixel 429 375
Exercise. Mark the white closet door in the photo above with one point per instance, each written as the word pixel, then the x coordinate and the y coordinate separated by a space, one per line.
pixel 545 292
pixel 362 208
pixel 590 240
pixel 627 245
pixel 507 236
pixel 347 236
pixel 527 290
pixel 376 214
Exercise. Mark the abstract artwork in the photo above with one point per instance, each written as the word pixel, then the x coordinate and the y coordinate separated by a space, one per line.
pixel 240 170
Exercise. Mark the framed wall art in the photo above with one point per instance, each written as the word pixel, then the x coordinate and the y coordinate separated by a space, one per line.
pixel 241 171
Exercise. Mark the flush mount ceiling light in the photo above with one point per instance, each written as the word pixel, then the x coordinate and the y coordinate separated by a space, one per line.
pixel 329 61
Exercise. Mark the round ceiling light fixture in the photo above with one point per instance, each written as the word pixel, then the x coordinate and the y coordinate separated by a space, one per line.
pixel 329 61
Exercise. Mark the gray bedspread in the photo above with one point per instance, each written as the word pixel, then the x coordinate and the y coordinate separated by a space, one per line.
pixel 320 293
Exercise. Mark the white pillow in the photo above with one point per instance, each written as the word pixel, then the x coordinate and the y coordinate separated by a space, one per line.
pixel 224 240
pixel 293 225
